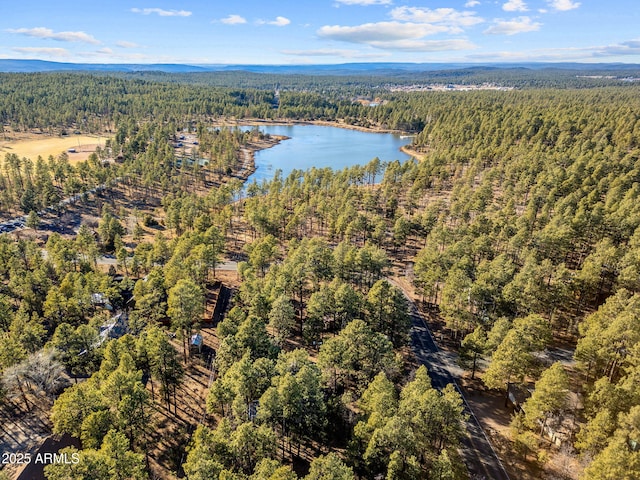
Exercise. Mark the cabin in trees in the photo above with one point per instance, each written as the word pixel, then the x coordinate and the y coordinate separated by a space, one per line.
pixel 196 343
pixel 558 429
pixel 100 300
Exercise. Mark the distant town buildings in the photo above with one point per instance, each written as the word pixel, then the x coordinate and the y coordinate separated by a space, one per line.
pixel 448 87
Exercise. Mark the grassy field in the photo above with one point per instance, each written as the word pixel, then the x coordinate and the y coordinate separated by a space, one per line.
pixel 45 146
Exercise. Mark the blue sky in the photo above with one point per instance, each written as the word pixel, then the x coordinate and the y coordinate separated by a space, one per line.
pixel 319 31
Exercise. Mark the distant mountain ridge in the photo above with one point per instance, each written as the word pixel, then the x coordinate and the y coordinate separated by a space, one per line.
pixel 32 66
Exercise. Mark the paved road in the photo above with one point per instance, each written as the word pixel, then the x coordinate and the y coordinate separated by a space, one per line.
pixel 477 451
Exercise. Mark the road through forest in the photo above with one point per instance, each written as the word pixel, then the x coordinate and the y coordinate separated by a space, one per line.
pixel 476 449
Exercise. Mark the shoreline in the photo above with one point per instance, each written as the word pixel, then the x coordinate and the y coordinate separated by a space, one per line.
pixel 413 153
pixel 251 122
pixel 248 153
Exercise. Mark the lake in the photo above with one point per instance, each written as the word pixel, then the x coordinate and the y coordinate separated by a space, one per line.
pixel 319 146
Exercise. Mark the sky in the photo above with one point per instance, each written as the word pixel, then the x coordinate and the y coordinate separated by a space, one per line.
pixel 287 32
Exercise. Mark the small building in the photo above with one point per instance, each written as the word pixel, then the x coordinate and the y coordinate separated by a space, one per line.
pixel 196 342
pixel 100 300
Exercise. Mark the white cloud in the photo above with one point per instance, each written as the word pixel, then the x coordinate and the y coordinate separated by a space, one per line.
pixel 161 12
pixel 512 27
pixel 395 36
pixel 630 47
pixel 472 3
pixel 323 52
pixel 407 23
pixel 278 22
pixel 103 52
pixel 448 17
pixel 48 52
pixel 407 29
pixel 515 6
pixel 47 33
pixel 563 5
pixel 328 52
pixel 109 56
pixel 425 45
pixel 380 32
pixel 566 54
pixel 365 2
pixel 234 20
pixel 125 44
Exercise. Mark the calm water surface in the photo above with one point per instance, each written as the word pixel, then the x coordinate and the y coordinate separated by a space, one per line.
pixel 318 146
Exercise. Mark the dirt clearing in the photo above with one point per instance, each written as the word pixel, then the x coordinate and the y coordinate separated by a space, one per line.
pixel 82 146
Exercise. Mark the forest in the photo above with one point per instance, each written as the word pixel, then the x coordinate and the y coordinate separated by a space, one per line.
pixel 514 232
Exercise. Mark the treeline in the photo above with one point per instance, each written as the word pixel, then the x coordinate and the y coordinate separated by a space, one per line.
pixel 94 103
pixel 64 102
pixel 339 82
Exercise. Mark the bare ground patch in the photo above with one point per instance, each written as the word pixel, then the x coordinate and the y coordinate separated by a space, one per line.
pixel 33 145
